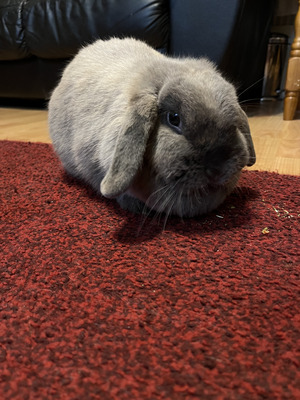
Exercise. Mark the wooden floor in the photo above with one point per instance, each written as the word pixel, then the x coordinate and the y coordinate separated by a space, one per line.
pixel 277 142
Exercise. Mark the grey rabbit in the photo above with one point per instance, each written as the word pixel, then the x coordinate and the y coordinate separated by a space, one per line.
pixel 155 132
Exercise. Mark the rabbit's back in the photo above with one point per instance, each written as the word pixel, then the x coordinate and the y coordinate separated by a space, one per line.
pixel 89 106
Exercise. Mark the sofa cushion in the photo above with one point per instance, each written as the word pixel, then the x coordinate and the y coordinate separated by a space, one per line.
pixel 54 28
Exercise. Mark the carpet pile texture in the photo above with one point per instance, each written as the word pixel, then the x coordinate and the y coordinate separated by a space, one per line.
pixel 96 303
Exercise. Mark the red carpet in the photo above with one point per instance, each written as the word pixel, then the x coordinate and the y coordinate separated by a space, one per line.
pixel 91 308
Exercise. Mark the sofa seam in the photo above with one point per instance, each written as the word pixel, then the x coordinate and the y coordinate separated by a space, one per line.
pixel 23 30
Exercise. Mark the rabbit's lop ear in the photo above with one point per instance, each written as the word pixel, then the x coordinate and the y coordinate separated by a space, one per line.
pixel 131 145
pixel 245 130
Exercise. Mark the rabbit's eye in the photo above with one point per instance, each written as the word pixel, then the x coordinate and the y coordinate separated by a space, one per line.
pixel 174 119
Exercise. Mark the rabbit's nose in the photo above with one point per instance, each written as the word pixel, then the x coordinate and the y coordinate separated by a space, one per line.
pixel 215 164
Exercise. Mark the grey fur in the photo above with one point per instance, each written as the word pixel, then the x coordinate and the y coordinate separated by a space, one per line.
pixel 109 126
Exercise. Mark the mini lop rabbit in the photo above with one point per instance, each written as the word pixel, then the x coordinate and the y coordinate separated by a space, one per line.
pixel 149 130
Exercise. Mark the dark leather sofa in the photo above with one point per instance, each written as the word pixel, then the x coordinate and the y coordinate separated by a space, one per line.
pixel 38 37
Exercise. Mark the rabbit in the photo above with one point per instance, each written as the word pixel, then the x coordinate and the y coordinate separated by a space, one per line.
pixel 155 132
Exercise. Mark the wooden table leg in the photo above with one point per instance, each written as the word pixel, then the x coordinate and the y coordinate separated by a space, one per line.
pixel 292 85
pixel 290 105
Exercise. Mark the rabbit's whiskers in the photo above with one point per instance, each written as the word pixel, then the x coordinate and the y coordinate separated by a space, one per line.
pixel 164 200
pixel 249 87
pixel 148 209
